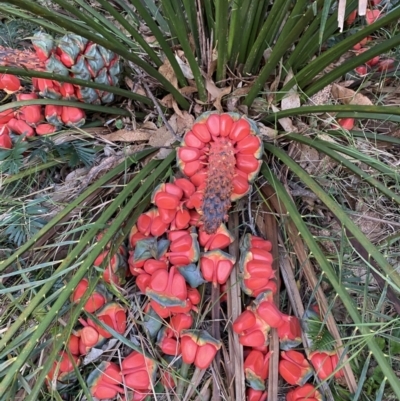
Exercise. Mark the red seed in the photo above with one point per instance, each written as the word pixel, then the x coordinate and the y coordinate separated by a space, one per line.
pixel 187 154
pixel 45 129
pixel 167 215
pixel 6 116
pixel 26 96
pixel 226 124
pixel 174 190
pixel 158 227
pixel 187 187
pixel 240 185
pixel 249 145
pixel 182 244
pixel 182 219
pixel 346 123
pixel 361 70
pixel 200 177
pixel 9 83
pixel 191 140
pixel 144 224
pixel 247 163
pixel 372 15
pixel 5 140
pixel 386 65
pixel 213 124
pixel 201 132
pixel 240 130
pixel 373 61
pixel 192 168
pixel 152 265
pixel 351 18
pixel 166 201
pixel 20 127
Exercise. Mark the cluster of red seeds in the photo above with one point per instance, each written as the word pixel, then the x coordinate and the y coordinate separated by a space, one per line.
pixel 377 63
pixel 171 253
pixel 36 119
pixel 254 324
pixel 72 56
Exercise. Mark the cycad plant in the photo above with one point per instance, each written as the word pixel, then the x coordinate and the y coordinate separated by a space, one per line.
pixel 274 59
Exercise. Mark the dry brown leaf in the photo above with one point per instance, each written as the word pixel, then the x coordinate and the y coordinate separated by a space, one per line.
pixel 188 90
pixel 169 102
pixel 186 70
pixel 164 138
pixel 348 96
pixel 124 135
pixel 129 83
pixel 320 97
pixel 233 100
pixel 181 123
pixel 308 158
pixel 292 98
pixel 285 122
pixel 267 132
pixel 217 93
pixel 150 39
pixel 239 92
pixel 167 72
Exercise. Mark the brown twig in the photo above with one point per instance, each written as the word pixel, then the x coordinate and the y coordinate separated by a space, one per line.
pixel 234 310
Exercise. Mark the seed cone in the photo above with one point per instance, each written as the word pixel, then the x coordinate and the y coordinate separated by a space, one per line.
pixel 221 157
pixel 72 56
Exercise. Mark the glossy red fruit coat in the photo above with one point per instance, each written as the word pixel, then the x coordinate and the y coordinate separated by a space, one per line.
pixel 96 300
pixel 201 132
pixel 213 124
pixel 322 364
pixel 45 129
pixel 168 288
pixel 216 266
pixel 73 344
pixel 219 240
pixel 256 395
pixel 9 83
pixel 252 331
pixel 6 116
pixel 89 337
pixel 226 124
pixel 180 322
pixel 5 139
pixel 304 393
pixel 256 368
pixel 372 15
pixel 240 130
pixel 20 127
pixel 290 333
pixel 294 367
pixel 138 371
pixel 346 123
pixel 199 347
pixel 105 381
pixel 73 116
pixel 112 315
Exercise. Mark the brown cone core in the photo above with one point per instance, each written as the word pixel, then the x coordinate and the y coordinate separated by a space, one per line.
pixel 217 194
